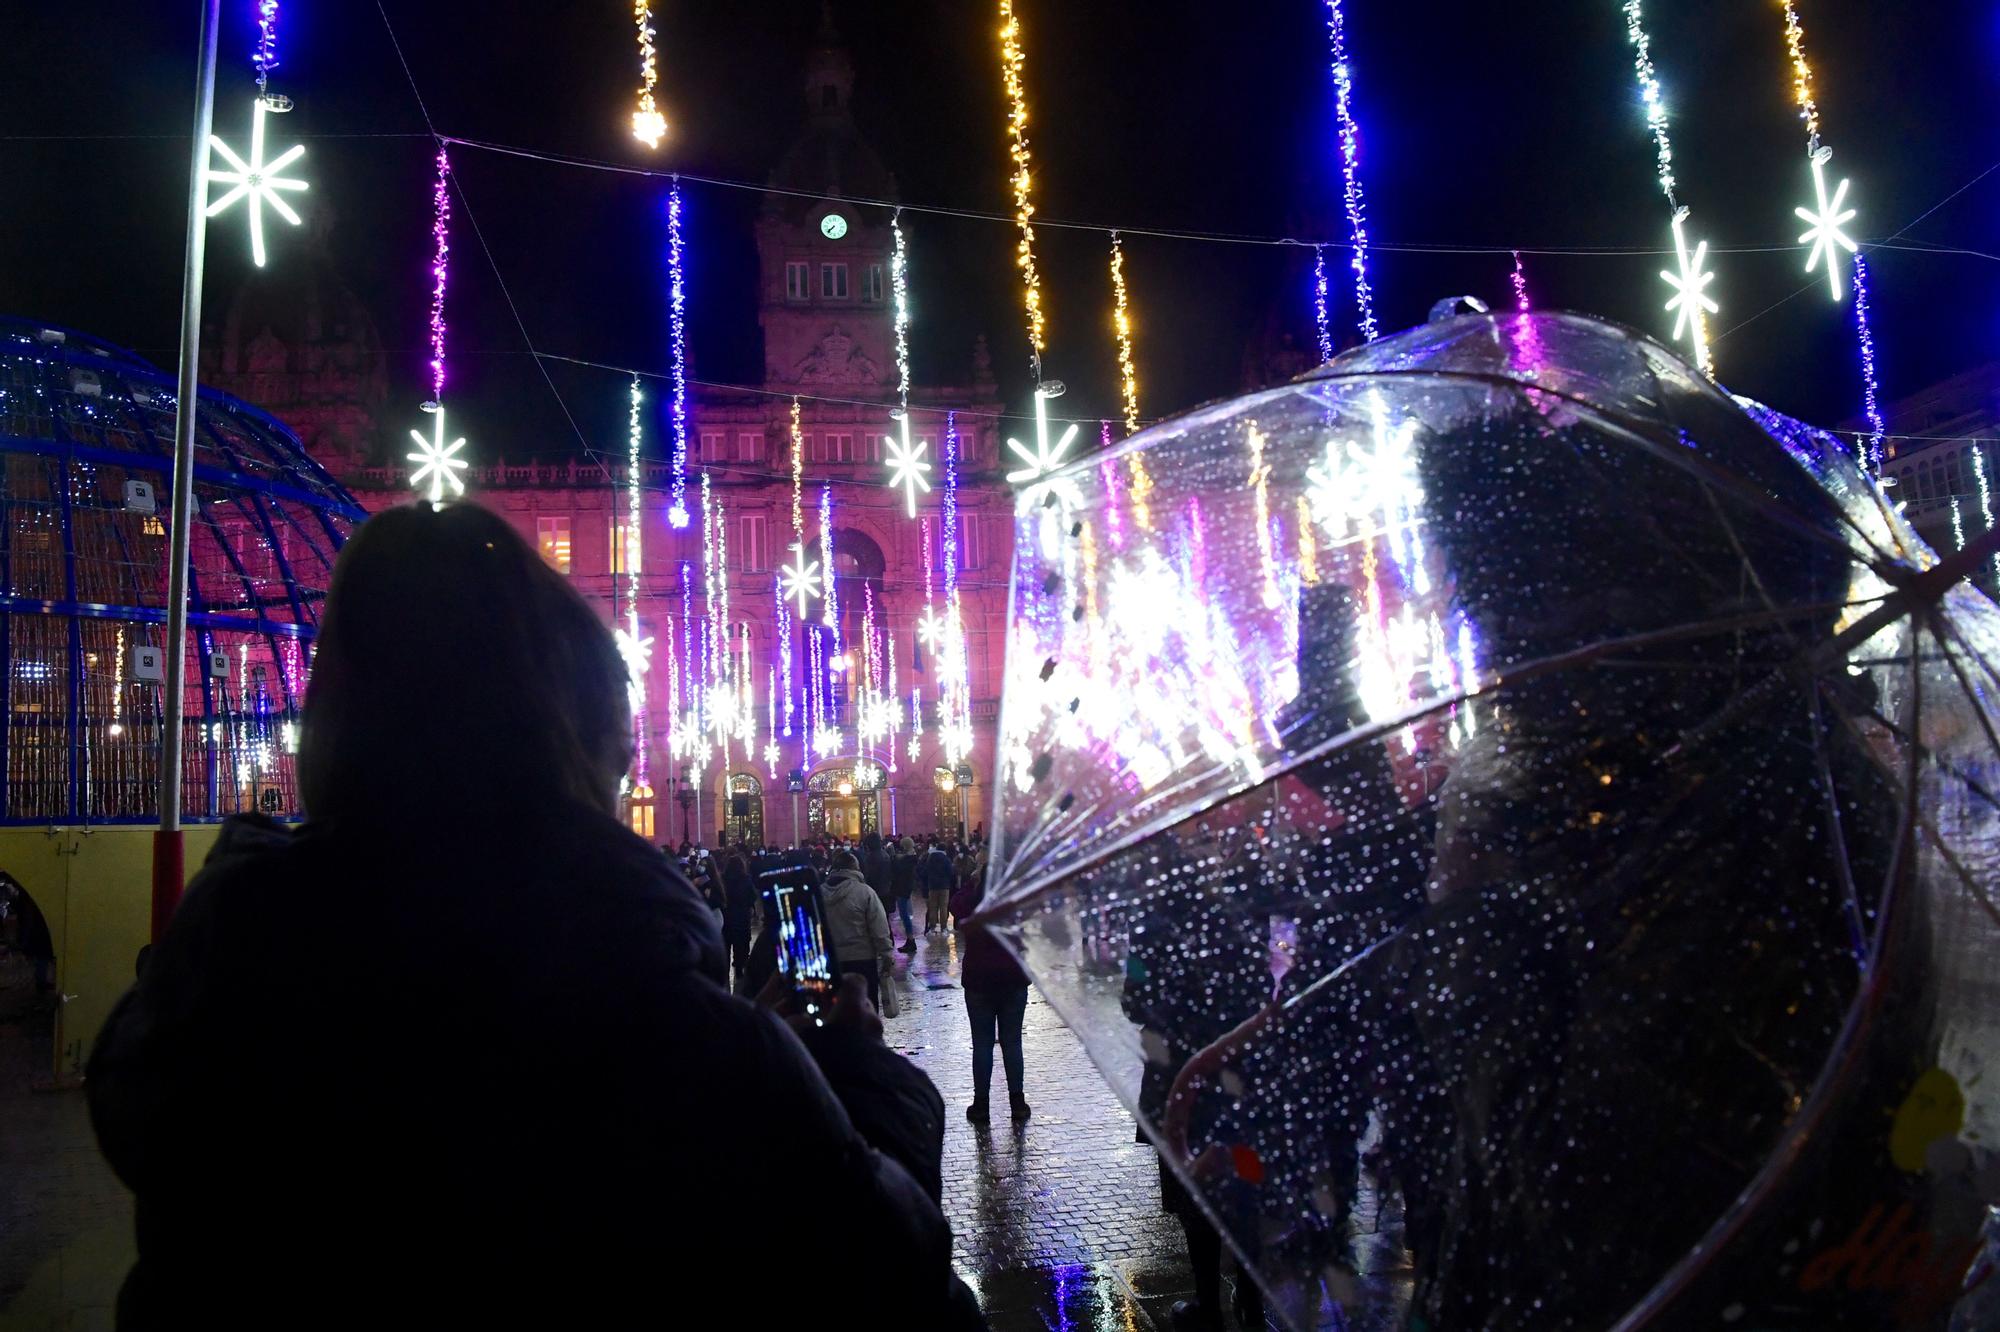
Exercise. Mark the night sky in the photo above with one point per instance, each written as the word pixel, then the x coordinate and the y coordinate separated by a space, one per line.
pixel 1483 128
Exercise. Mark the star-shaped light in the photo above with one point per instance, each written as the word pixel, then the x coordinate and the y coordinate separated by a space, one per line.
pixel 907 466
pixel 440 461
pixel 1823 226
pixel 771 757
pixel 1690 299
pixel 638 655
pixel 799 580
pixel 1043 460
pixel 256 180
pixel 930 629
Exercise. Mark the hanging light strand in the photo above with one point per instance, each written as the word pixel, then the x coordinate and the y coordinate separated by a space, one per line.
pixel 899 286
pixel 677 514
pixel 1350 165
pixel 1011 62
pixel 264 56
pixel 1871 403
pixel 1802 93
pixel 1520 280
pixel 1121 320
pixel 440 268
pixel 1322 316
pixel 648 125
pixel 1649 93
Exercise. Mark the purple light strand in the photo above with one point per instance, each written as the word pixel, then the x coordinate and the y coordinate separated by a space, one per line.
pixel 950 509
pixel 677 513
pixel 265 57
pixel 1871 405
pixel 440 269
pixel 1350 165
pixel 1321 320
pixel 1520 278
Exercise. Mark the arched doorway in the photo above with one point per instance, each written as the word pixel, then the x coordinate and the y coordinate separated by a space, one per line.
pixel 844 800
pixel 743 816
pixel 950 800
pixel 27 985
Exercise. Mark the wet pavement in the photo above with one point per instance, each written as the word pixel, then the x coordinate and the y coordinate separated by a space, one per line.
pixel 1057 1220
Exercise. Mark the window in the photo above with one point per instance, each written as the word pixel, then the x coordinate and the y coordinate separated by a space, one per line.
pixel 552 539
pixel 833 281
pixel 750 446
pixel 624 547
pixel 798 281
pixel 749 549
pixel 713 444
pixel 971 543
pixel 871 287
pixel 871 446
pixel 840 446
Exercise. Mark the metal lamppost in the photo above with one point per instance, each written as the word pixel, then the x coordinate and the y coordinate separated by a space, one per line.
pixel 795 782
pixel 167 842
pixel 685 797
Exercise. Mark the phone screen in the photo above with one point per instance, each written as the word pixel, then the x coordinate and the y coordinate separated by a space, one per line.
pixel 805 959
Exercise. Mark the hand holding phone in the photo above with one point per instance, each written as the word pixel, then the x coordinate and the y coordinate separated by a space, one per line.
pixel 806 964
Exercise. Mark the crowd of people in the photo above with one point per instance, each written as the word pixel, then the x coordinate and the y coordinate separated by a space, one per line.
pixel 869 886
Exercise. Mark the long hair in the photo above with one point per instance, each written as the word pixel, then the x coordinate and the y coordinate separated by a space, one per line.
pixel 458 677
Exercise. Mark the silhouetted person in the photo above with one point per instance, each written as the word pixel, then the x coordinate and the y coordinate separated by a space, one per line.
pixel 528 1099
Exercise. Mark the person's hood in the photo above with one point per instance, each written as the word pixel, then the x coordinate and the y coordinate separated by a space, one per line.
pixel 843 881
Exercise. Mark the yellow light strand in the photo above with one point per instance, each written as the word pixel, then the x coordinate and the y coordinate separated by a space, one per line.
pixel 798 474
pixel 1011 61
pixel 1142 488
pixel 648 125
pixel 1795 41
pixel 1121 319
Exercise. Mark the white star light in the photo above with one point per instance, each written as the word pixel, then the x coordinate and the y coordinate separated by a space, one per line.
pixel 907 466
pixel 1823 227
pixel 1043 459
pixel 800 579
pixel 440 462
pixel 257 181
pixel 930 629
pixel 1690 298
pixel 638 655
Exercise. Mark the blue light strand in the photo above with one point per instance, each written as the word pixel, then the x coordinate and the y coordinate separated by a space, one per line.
pixel 1350 165
pixel 1321 322
pixel 677 514
pixel 1871 404
pixel 265 56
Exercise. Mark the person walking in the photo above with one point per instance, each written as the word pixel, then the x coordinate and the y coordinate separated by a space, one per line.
pixel 739 909
pixel 996 1003
pixel 857 929
pixel 935 876
pixel 903 870
pixel 536 1070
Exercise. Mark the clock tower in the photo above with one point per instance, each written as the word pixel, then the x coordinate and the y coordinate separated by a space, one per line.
pixel 825 303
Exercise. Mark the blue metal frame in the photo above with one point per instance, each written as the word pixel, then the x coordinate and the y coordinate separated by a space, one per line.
pixel 259 480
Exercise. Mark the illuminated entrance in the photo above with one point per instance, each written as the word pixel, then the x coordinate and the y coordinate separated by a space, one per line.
pixel 845 801
pixel 744 823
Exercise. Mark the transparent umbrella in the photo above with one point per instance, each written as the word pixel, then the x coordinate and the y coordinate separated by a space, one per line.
pixel 1518 827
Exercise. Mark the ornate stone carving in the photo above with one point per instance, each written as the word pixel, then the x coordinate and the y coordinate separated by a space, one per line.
pixel 836 360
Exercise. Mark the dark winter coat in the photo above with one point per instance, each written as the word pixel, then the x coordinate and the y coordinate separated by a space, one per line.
pixel 875 868
pixel 902 875
pixel 988 967
pixel 521 1097
pixel 739 904
pixel 934 872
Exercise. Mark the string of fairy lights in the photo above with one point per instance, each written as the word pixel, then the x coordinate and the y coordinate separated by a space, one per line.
pixel 710 668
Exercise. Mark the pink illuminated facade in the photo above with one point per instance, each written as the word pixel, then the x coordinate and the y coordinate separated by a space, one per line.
pixel 825 308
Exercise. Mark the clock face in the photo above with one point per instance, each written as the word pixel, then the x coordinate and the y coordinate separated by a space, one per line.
pixel 833 226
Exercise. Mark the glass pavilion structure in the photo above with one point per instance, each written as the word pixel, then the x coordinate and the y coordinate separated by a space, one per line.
pixel 86 439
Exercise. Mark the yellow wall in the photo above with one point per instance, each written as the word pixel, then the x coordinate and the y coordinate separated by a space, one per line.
pixel 95 886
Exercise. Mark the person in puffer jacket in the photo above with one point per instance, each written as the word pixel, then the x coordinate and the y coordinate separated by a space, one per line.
pixel 525 1098
pixel 858 929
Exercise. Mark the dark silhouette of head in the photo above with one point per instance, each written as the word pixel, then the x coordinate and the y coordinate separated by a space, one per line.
pixel 458 679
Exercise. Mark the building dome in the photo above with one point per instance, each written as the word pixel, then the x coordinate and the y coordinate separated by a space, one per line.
pixel 86 438
pixel 830 160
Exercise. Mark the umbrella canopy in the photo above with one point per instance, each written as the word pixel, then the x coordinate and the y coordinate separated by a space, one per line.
pixel 1519 828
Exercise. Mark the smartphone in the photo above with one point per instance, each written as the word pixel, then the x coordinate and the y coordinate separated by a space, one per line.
pixel 805 955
